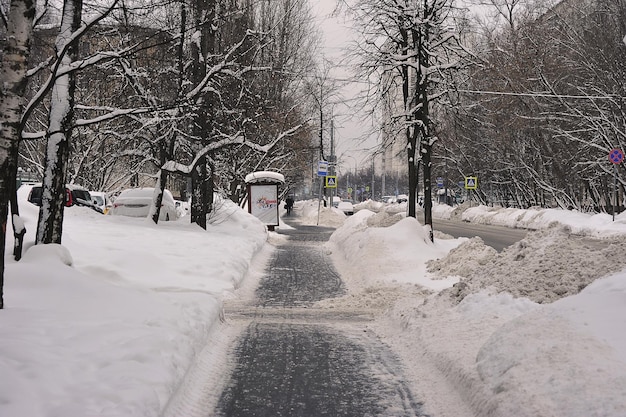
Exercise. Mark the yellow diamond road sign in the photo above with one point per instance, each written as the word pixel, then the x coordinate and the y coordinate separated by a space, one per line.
pixel 331 181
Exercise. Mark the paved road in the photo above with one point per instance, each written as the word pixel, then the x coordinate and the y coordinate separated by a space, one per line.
pixel 297 360
pixel 497 237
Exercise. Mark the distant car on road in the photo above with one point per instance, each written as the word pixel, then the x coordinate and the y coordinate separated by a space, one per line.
pixel 136 202
pixel 346 206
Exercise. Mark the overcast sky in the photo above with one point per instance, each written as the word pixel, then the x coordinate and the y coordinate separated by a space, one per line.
pixel 353 142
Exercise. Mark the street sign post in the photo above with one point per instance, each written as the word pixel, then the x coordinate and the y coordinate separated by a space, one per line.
pixel 616 156
pixel 471 183
pixel 322 171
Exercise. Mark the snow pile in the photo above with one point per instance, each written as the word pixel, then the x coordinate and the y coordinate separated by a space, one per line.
pixel 109 323
pixel 312 213
pixel 536 330
pixel 596 225
pixel 464 260
pixel 545 266
pixel 370 205
pixel 394 254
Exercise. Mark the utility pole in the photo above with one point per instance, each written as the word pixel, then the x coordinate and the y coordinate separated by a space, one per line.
pixel 332 158
pixel 373 178
pixel 384 168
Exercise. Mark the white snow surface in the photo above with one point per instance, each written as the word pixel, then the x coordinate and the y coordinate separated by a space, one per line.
pixel 265 176
pixel 118 319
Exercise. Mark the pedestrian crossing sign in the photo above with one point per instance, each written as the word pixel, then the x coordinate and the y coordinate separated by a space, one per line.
pixel 331 181
pixel 471 183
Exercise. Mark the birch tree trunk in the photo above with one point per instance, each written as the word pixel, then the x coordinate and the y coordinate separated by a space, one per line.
pixel 58 135
pixel 13 76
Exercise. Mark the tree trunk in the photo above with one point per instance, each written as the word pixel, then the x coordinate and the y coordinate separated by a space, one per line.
pixel 18 225
pixel 58 135
pixel 198 194
pixel 157 199
pixel 420 39
pixel 428 201
pixel 13 74
pixel 413 175
pixel 201 178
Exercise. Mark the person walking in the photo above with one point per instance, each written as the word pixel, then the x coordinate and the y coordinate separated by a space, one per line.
pixel 289 204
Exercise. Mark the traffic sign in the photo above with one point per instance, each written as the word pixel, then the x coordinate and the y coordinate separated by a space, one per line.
pixel 471 183
pixel 322 168
pixel 439 182
pixel 331 181
pixel 616 156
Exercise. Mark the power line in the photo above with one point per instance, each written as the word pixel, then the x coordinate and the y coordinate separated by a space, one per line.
pixel 547 95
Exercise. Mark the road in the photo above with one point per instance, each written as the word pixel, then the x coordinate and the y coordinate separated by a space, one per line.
pixel 497 237
pixel 293 359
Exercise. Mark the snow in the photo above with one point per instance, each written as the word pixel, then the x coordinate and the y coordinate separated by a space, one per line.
pixel 265 176
pixel 120 318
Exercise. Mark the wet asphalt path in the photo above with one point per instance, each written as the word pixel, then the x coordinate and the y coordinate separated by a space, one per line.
pixel 294 359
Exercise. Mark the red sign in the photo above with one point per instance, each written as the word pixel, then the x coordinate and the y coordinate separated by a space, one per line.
pixel 616 156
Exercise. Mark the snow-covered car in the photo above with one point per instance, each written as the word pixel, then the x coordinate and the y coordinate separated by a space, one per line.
pixel 346 206
pixel 182 207
pixel 75 195
pixel 136 202
pixel 100 200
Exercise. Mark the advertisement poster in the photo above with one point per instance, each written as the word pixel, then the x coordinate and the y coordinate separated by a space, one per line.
pixel 264 203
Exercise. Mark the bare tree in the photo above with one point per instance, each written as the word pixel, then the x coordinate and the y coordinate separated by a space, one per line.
pixel 409 49
pixel 545 108
pixel 204 98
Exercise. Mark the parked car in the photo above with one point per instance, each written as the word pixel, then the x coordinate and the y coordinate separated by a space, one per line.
pixel 182 207
pixel 346 206
pixel 136 202
pixel 74 195
pixel 402 198
pixel 100 200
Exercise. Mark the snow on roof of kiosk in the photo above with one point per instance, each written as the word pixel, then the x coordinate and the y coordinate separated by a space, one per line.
pixel 265 176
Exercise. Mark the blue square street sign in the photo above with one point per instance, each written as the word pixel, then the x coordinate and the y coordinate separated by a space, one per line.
pixel 322 168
